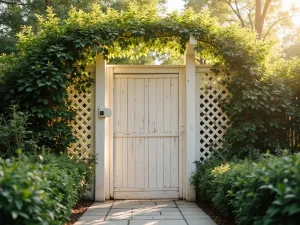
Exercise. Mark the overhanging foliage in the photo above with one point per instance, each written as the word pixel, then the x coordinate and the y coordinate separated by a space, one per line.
pixel 48 61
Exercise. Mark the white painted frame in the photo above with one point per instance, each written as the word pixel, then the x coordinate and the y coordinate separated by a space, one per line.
pixel 100 148
pixel 191 131
pixel 104 128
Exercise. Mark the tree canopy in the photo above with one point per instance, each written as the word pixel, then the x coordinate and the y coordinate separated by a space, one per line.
pixel 267 17
pixel 18 13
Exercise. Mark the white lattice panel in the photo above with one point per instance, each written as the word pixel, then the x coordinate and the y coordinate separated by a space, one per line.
pixel 213 122
pixel 83 125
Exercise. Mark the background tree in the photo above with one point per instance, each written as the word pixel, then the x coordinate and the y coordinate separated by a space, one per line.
pixel 18 13
pixel 14 14
pixel 266 17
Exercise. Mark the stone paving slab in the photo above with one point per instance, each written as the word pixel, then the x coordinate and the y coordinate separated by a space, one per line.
pixel 188 206
pixel 116 222
pixel 201 222
pixel 91 218
pixel 157 217
pixel 171 213
pixel 191 210
pixel 145 212
pixel 95 213
pixel 157 222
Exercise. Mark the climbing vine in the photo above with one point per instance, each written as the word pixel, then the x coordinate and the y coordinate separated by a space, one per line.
pixel 54 58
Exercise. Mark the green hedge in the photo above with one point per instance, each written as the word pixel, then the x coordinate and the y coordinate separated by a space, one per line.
pixel 263 193
pixel 41 190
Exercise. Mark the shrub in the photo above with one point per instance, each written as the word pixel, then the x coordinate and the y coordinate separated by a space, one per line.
pixel 262 193
pixel 276 181
pixel 35 191
pixel 25 196
pixel 14 133
pixel 202 177
pixel 223 184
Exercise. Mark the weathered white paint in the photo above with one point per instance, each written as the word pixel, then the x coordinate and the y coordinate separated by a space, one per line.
pixel 147 194
pixel 190 117
pixel 146 125
pixel 150 173
pixel 100 129
pixel 181 125
pixel 83 124
pixel 111 132
pixel 211 121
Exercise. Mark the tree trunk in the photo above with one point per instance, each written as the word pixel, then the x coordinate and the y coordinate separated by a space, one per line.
pixel 258 24
pixel 260 16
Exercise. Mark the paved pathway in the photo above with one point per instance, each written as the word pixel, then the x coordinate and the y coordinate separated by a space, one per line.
pixel 143 212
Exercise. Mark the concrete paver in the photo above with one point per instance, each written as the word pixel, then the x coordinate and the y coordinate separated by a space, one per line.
pixel 201 222
pixel 157 222
pixel 145 212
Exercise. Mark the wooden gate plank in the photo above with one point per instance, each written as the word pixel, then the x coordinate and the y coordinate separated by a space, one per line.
pixel 130 101
pixel 139 162
pixel 167 162
pixel 118 106
pixel 152 106
pixel 174 162
pixel 160 106
pixel 152 162
pixel 146 130
pixel 123 128
pixel 167 105
pixel 160 162
pixel 118 163
pixel 131 163
pixel 174 129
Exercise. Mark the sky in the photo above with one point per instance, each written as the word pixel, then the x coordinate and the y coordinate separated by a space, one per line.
pixel 178 5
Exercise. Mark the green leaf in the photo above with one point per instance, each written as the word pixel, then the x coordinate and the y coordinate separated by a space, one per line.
pixel 14 215
pixel 29 89
pixel 294 209
pixel 45 101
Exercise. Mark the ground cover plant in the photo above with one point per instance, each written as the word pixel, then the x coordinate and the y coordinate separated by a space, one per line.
pixel 264 192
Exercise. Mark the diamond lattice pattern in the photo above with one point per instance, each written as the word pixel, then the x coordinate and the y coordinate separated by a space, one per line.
pixel 82 126
pixel 213 121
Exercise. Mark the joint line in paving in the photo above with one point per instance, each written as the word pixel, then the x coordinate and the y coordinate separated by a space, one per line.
pixel 109 210
pixel 181 213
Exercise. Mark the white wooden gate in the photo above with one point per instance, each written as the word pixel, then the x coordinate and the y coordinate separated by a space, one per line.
pixel 138 158
pixel 147 139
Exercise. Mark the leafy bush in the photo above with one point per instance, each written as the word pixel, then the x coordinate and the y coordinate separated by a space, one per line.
pixel 259 112
pixel 25 196
pixel 35 191
pixel 276 181
pixel 289 71
pixel 14 134
pixel 202 177
pixel 262 193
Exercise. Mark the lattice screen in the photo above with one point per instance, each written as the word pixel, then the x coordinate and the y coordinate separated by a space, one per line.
pixel 83 125
pixel 213 121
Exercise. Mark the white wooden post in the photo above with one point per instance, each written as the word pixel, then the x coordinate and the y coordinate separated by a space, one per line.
pixel 100 129
pixel 190 117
